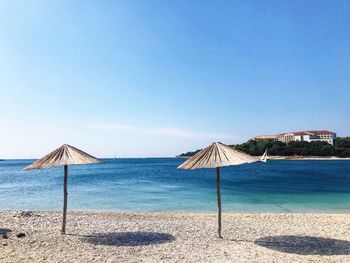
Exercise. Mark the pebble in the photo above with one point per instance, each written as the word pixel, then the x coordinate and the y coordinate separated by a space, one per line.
pixel 20 235
pixel 164 237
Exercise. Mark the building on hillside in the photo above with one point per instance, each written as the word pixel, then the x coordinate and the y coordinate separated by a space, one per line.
pixel 302 136
pixel 285 137
pixel 296 136
pixel 325 136
pixel 266 137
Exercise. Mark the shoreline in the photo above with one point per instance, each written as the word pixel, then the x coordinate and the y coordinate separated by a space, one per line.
pixel 30 213
pixel 174 237
pixel 181 212
pixel 296 158
pixel 307 158
pixel 186 157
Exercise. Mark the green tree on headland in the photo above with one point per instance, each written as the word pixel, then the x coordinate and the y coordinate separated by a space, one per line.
pixel 189 153
pixel 341 148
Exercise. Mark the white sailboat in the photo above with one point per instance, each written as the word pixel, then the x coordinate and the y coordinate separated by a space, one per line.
pixel 263 158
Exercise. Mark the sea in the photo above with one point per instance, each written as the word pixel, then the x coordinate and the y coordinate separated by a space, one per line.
pixel 156 185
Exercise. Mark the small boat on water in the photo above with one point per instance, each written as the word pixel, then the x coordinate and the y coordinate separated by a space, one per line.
pixel 263 158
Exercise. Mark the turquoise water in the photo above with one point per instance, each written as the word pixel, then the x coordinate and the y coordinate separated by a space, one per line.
pixel 154 184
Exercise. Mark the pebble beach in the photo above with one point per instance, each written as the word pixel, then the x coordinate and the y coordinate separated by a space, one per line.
pixel 173 237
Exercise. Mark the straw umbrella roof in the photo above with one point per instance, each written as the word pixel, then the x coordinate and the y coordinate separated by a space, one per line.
pixel 64 155
pixel 217 155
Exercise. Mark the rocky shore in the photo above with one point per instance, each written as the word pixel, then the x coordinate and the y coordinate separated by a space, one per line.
pixel 173 237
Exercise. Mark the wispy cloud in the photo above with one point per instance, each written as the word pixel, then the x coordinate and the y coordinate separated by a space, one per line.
pixel 171 132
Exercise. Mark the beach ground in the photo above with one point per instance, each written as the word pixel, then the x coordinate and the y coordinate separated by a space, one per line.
pixel 173 237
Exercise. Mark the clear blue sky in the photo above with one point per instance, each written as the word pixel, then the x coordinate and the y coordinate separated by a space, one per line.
pixel 155 78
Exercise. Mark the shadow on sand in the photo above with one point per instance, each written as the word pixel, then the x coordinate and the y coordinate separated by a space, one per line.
pixel 4 231
pixel 128 238
pixel 305 245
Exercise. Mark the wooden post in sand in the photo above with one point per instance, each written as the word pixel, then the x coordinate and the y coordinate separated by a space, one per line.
pixel 65 195
pixel 217 155
pixel 64 156
pixel 219 200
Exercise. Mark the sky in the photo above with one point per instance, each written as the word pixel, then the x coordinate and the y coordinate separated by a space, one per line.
pixel 158 78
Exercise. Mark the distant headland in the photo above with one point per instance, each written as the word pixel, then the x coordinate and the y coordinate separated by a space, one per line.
pixel 294 146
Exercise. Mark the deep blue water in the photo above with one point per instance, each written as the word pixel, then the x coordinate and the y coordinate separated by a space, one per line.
pixel 154 184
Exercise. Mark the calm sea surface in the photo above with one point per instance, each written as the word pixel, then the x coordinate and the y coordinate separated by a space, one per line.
pixel 155 184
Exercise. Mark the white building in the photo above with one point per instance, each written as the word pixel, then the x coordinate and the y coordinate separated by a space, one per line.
pixel 308 136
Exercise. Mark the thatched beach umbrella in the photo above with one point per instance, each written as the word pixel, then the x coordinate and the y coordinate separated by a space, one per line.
pixel 215 156
pixel 64 155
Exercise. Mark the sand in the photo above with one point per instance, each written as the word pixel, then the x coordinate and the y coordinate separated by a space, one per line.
pixel 174 237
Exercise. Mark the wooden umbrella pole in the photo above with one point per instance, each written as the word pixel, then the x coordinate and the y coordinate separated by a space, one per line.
pixel 65 195
pixel 219 199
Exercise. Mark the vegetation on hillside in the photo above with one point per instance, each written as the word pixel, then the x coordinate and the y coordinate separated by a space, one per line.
pixel 189 153
pixel 341 148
